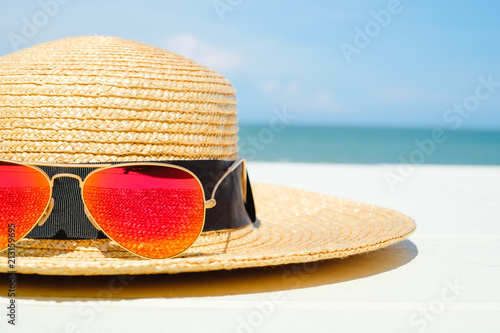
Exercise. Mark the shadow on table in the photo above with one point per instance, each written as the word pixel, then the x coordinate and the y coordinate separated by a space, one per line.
pixel 216 283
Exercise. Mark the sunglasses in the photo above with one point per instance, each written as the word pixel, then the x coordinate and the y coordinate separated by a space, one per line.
pixel 153 210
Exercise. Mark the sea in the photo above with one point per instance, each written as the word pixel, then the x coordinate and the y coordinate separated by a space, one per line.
pixel 322 144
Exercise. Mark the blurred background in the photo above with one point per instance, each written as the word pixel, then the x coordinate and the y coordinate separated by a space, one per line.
pixel 393 81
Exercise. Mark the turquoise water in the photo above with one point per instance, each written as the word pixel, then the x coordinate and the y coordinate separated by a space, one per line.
pixel 369 145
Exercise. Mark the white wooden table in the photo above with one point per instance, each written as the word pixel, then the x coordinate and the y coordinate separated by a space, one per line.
pixel 445 278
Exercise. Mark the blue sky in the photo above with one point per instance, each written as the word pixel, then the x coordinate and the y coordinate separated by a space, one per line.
pixel 357 63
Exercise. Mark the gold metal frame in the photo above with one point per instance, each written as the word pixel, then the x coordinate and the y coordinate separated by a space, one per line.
pixel 207 204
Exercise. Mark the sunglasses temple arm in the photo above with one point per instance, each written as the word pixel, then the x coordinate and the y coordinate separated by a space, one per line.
pixel 211 203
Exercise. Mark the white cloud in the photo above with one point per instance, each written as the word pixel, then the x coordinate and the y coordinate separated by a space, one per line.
pixel 269 86
pixel 323 100
pixel 207 54
pixel 294 88
pixel 397 95
pixel 295 94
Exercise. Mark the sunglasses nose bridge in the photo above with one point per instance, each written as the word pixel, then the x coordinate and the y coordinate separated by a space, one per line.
pixel 67 175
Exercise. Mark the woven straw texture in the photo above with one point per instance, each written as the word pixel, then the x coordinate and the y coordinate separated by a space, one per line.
pixel 300 227
pixel 101 99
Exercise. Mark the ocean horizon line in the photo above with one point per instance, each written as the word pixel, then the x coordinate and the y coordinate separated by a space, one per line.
pixel 358 145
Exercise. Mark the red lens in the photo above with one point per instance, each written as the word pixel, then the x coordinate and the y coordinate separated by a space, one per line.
pixel 156 211
pixel 24 196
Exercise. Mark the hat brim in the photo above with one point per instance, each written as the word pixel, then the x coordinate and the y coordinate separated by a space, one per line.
pixel 294 226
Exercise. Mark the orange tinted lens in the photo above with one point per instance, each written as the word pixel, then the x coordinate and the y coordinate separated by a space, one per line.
pixel 24 196
pixel 152 210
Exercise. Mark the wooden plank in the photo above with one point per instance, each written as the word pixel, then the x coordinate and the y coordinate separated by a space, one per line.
pixel 445 278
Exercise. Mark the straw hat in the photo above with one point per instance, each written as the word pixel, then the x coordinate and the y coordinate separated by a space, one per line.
pixel 106 99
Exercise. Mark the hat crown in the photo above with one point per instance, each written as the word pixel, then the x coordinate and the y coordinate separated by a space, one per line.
pixel 103 99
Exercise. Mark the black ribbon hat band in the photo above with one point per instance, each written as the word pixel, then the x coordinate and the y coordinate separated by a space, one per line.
pixel 68 219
